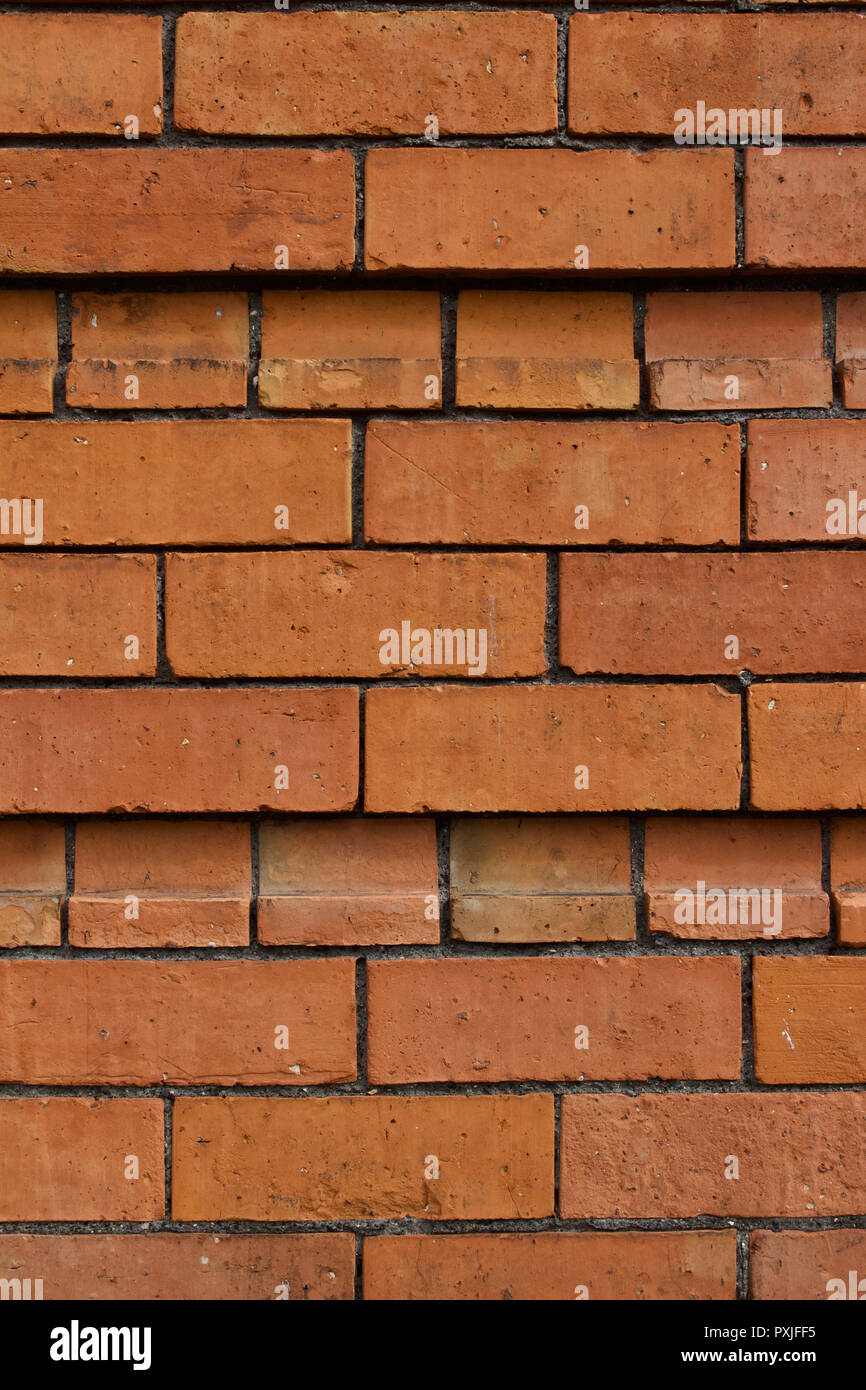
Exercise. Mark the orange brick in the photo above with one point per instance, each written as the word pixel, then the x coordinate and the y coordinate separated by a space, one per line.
pixel 513 748
pixel 812 1265
pixel 744 350
pixel 639 1157
pixel 809 1020
pixel 69 1158
pixel 629 73
pixel 154 351
pixel 386 73
pixel 773 614
pixel 696 873
pixel 355 614
pixel 553 1020
pixel 851 348
pixel 356 1157
pixel 807 480
pixel 28 350
pixel 182 482
pixel 807 745
pixel 551 1266
pixel 81 751
pixel 548 482
pixel 351 350
pixel 71 615
pixel 848 878
pixel 523 350
pixel 82 74
pixel 348 882
pixel 161 883
pixel 806 209
pixel 531 209
pixel 32 882
pixel 556 878
pixel 146 1023
pixel 204 210
pixel 164 1265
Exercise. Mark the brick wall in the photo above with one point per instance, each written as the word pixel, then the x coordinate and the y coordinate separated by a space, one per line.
pixel 432 664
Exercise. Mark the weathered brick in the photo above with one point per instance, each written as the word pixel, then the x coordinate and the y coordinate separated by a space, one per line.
pixel 797 1155
pixel 351 882
pixel 806 480
pixel 145 1023
pixel 807 745
pixel 806 209
pixel 848 878
pixel 809 1018
pixel 351 350
pixel 525 350
pixel 851 348
pixel 68 1158
pixel 551 1266
pixel 811 1265
pixel 32 882
pixel 551 878
pixel 688 864
pixel 81 751
pixel 743 350
pixel 356 1157
pixel 28 351
pixel 523 749
pixel 182 482
pixel 531 209
pixel 171 210
pixel 553 1020
pixel 551 483
pixel 80 74
pixel 355 614
pixel 74 615
pixel 189 1267
pixel 161 883
pixel 158 351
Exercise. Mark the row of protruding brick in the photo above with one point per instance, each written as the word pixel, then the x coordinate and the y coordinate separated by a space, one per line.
pixel 381 349
pixel 362 882
pixel 527 1266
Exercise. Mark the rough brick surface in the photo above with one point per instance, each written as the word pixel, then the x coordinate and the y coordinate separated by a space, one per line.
pixel 32 882
pixel 806 481
pixel 806 745
pixel 805 209
pixel 28 351
pixel 809 1020
pixel 811 1265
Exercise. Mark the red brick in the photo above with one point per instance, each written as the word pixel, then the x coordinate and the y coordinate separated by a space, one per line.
pixel 806 745
pixel 28 350
pixel 517 482
pixel 32 882
pixel 773 614
pixel 161 883
pixel 523 350
pixel 806 209
pixel 146 1023
pixel 165 1265
pixel 348 882
pixel 182 482
pixel 518 1019
pixel 813 1265
pixel 172 210
pixel 356 1157
pixel 366 74
pixel 155 351
pixel 551 878
pixel 347 614
pixel 851 348
pixel 810 1023
pixel 82 74
pixel 730 854
pixel 66 1158
pixel 528 210
pixel 629 73
pixel 743 350
pixel 799 1155
pixel 848 878
pixel 350 350
pixel 551 1266
pixel 516 749
pixel 800 474
pixel 72 615
pixel 79 751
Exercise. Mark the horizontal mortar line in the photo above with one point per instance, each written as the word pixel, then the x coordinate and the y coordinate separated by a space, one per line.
pixel 661 944
pixel 373 415
pixel 634 1089
pixel 415 1225
pixel 734 684
pixel 634 142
